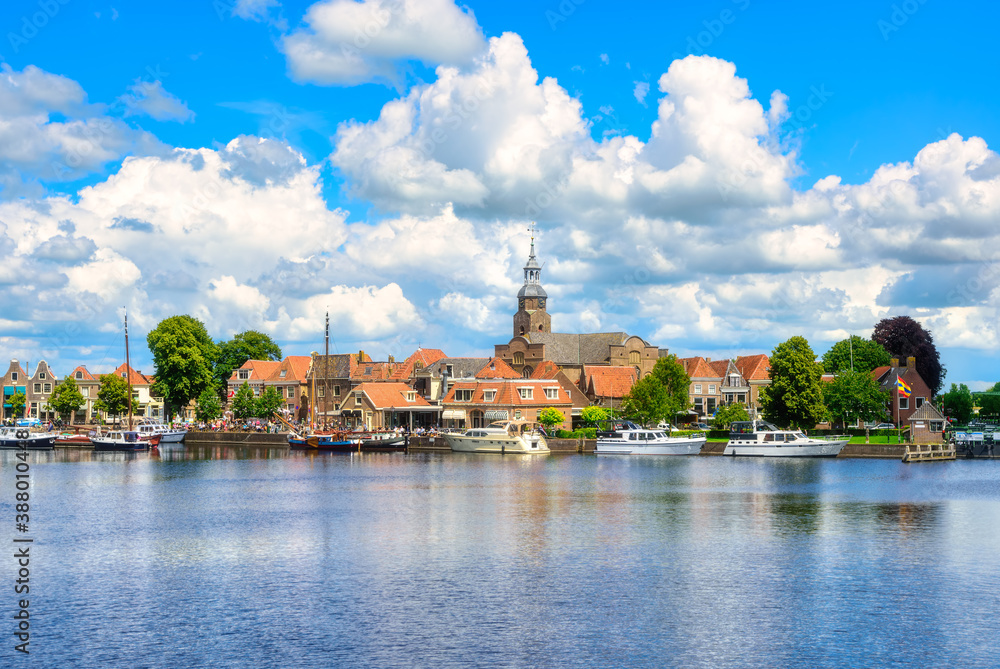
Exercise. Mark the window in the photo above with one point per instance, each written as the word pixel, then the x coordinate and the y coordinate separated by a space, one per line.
pixel 85 392
pixel 322 391
pixel 920 402
pixel 256 391
pixel 411 396
pixel 463 395
pixel 526 393
pixel 489 395
pixel 41 375
pixel 904 403
pixel 244 374
pixel 698 405
pixel 517 414
pixel 697 389
pixel 79 375
pixel 38 388
pixel 711 389
pixel 368 370
pixel 519 358
pixel 291 392
pixel 13 377
pixel 449 370
pixel 734 380
pixel 34 410
pixel 336 391
pixel 633 357
pixel 48 389
pixel 711 405
pixel 357 400
pixel 283 372
pixel 551 393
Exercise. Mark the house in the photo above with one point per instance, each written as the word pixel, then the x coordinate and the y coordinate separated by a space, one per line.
pixel 482 402
pixel 39 390
pixel 433 381
pixel 927 425
pixel 386 405
pixel 330 379
pixel 421 358
pixel 88 385
pixel 704 389
pixel 534 342
pixel 14 381
pixel 605 386
pixel 254 373
pixel 290 380
pixel 896 378
pixel 497 369
pixel 756 372
pixel 144 402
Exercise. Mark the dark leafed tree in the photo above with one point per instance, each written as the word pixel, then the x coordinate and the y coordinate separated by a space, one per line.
pixel 903 337
pixel 861 355
pixel 67 399
pixel 795 396
pixel 183 355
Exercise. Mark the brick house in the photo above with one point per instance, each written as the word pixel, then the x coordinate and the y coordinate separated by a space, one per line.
pixel 606 385
pixel 756 372
pixel 39 390
pixel 330 379
pixel 485 401
pixel 927 425
pixel 902 408
pixel 290 379
pixel 386 405
pixel 88 385
pixel 14 381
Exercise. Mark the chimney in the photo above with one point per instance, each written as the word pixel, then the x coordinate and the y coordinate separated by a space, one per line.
pixel 911 362
pixel 894 362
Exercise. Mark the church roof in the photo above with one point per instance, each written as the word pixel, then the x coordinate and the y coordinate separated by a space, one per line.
pixel 577 349
pixel 531 290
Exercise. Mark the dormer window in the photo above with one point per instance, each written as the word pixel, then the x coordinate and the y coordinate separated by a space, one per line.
pixel 283 372
pixel 41 375
pixel 411 396
pixel 526 393
pixel 449 370
pixel 79 375
pixel 244 374
pixel 489 395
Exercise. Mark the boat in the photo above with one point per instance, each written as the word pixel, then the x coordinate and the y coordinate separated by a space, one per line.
pixel 74 439
pixel 499 437
pixel 348 441
pixel 149 426
pixel 760 438
pixel 23 438
pixel 627 438
pixel 124 440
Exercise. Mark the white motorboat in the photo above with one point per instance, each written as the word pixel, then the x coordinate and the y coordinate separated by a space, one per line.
pixel 148 427
pixel 626 438
pixel 123 440
pixel 760 438
pixel 22 437
pixel 500 437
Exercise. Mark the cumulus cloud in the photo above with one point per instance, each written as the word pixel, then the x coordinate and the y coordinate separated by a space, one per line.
pixel 346 42
pixel 150 98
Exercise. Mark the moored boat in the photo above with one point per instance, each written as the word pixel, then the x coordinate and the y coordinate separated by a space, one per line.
pixel 22 437
pixel 627 438
pixel 500 437
pixel 124 440
pixel 762 439
pixel 348 441
pixel 148 427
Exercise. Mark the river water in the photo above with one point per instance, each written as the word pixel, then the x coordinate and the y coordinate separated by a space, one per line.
pixel 254 558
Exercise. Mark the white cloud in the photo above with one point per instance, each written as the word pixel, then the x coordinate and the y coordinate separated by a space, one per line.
pixel 150 98
pixel 641 91
pixel 347 42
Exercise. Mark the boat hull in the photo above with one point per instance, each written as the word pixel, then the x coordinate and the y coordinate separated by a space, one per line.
pixel 347 446
pixel 496 444
pixel 821 449
pixel 172 437
pixel 33 442
pixel 672 446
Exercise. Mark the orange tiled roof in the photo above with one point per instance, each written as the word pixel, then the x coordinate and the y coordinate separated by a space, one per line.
pixel 719 367
pixel 698 368
pixel 135 378
pixel 879 372
pixel 507 393
pixel 546 370
pixel 86 375
pixel 604 381
pixel 259 370
pixel 425 356
pixel 295 367
pixel 497 369
pixel 388 395
pixel 754 367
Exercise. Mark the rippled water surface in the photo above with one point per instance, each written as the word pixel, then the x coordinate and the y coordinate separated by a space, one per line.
pixel 257 558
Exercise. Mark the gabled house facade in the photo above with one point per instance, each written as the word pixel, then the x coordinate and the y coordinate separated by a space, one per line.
pixel 330 380
pixel 290 380
pixel 88 385
pixel 14 381
pixel 903 405
pixel 39 390
pixel 605 385
pixel 485 401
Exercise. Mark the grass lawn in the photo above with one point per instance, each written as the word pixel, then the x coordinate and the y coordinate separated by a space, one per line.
pixel 877 440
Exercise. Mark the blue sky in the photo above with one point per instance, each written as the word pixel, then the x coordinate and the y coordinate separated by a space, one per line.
pixel 715 177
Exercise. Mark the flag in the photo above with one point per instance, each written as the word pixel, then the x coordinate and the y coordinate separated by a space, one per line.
pixel 902 388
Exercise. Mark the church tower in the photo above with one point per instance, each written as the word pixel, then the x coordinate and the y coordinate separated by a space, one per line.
pixel 531 315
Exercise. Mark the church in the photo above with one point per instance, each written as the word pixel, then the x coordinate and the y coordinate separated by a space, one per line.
pixel 534 341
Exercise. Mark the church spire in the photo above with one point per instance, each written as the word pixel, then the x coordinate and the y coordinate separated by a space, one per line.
pixel 532 270
pixel 531 315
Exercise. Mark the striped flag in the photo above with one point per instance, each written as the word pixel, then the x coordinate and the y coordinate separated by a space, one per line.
pixel 902 388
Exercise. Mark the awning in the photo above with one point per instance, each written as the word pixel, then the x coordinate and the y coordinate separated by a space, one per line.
pixel 453 414
pixel 497 414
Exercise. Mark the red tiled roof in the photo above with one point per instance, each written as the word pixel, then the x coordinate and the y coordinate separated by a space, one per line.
pixel 507 393
pixel 879 372
pixel 604 381
pixel 389 395
pixel 86 376
pixel 295 367
pixel 719 367
pixel 425 356
pixel 135 378
pixel 259 370
pixel 754 367
pixel 372 371
pixel 497 369
pixel 697 368
pixel 546 370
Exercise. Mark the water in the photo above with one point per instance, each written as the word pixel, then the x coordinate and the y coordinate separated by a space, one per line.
pixel 245 558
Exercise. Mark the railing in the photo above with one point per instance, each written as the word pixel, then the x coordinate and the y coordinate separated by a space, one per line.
pixel 928 452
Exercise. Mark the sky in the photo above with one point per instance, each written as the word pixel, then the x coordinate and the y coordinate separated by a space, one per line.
pixel 715 177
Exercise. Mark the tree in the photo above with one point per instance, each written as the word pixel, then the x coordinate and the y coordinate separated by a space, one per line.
pixel 112 396
pixel 244 403
pixel 865 355
pixel 593 414
pixel 728 414
pixel 66 398
pixel 183 355
pixel 209 407
pixel 247 345
pixel 794 397
pixel 268 402
pixel 989 405
pixel 854 396
pixel 550 417
pixel 904 337
pixel 957 403
pixel 17 402
pixel 671 375
pixel 648 402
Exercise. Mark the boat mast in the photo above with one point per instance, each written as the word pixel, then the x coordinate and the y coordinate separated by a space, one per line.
pixel 128 374
pixel 326 368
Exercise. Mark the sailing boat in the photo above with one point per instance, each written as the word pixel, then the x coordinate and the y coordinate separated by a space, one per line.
pixel 126 440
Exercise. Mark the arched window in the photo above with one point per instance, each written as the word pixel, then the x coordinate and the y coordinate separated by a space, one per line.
pixel 526 372
pixel 539 327
pixel 522 329
pixel 633 357
pixel 518 358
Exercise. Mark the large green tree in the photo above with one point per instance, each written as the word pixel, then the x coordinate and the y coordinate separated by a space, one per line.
pixel 794 397
pixel 268 402
pixel 550 417
pixel 247 345
pixel 648 402
pixel 112 396
pixel 244 403
pixel 861 355
pixel 855 395
pixel 66 398
pixel 591 415
pixel 183 355
pixel 671 375
pixel 17 401
pixel 957 403
pixel 989 405
pixel 209 407
pixel 730 413
pixel 903 337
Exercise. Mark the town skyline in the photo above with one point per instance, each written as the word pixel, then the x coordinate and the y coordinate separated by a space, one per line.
pixel 713 179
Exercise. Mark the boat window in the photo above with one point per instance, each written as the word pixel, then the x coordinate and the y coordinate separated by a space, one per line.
pixel 633 436
pixel 768 437
pixel 660 435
